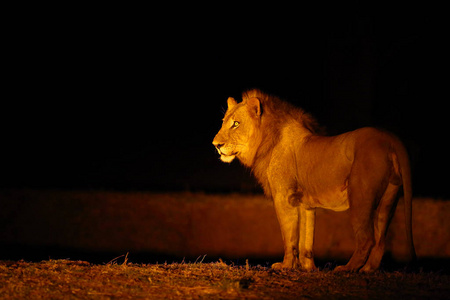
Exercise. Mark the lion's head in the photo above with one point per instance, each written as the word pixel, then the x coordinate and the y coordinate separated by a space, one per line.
pixel 251 128
pixel 238 134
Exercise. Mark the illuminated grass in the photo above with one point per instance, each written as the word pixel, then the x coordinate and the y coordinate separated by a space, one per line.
pixel 65 279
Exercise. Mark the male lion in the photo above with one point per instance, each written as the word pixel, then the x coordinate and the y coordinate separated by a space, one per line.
pixel 301 170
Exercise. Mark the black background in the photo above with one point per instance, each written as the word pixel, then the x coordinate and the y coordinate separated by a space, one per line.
pixel 131 98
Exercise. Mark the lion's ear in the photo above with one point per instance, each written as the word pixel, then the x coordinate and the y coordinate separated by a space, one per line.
pixel 254 107
pixel 231 102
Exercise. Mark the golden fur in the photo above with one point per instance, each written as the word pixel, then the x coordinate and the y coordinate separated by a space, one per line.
pixel 301 169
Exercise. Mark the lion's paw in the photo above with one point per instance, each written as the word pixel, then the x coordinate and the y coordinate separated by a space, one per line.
pixel 310 269
pixel 342 269
pixel 278 266
pixel 307 265
pixel 367 269
pixel 282 265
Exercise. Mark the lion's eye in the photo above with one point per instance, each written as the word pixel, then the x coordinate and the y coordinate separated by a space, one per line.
pixel 236 124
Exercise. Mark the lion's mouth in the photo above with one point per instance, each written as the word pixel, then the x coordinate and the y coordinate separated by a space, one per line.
pixel 227 158
pixel 224 156
pixel 222 153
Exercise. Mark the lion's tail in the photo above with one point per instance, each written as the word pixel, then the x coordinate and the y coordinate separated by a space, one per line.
pixel 405 168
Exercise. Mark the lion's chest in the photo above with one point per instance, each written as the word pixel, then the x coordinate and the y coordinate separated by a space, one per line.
pixel 334 199
pixel 328 194
pixel 324 182
pixel 316 175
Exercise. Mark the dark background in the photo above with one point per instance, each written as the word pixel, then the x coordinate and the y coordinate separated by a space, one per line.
pixel 130 99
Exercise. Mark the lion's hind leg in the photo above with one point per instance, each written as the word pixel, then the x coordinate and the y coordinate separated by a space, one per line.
pixel 383 217
pixel 365 187
pixel 364 237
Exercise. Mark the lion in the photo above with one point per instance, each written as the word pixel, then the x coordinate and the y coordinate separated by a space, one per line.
pixel 302 169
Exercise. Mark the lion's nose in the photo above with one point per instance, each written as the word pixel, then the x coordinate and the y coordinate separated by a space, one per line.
pixel 218 145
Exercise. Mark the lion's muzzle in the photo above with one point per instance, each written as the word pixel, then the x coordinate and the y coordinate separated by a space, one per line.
pixel 224 156
pixel 218 146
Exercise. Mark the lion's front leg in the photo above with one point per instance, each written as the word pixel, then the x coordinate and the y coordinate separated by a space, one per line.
pixel 288 217
pixel 307 225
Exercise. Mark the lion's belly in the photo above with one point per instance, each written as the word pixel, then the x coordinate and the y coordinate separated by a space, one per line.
pixel 335 199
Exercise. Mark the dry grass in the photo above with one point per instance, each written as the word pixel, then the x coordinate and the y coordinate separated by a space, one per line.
pixel 65 279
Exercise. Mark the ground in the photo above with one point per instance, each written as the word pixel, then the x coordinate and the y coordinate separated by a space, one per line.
pixel 120 279
pixel 39 227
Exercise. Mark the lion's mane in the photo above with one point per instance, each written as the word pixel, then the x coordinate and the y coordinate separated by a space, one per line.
pixel 274 114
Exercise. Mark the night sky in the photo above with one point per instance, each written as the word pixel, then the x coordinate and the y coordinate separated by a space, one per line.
pixel 124 102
